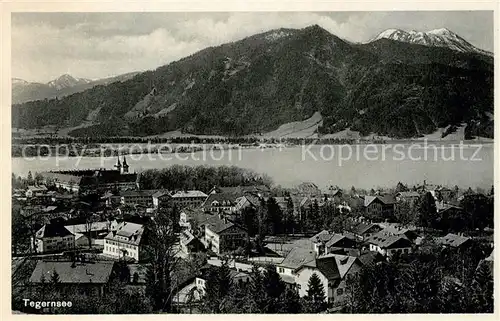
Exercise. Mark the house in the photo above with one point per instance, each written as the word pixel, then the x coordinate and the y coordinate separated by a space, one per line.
pixel 389 245
pixel 53 238
pixel 410 197
pixel 126 241
pixel 335 195
pixel 247 201
pixel 409 231
pixel 162 199
pixel 325 243
pixel 340 244
pixel 183 199
pixel 194 288
pixel 364 230
pixel 219 203
pixel 294 260
pixel 380 206
pixel 34 191
pixel 222 235
pixel 109 199
pixel 454 241
pixel 89 278
pixel 319 240
pixel 257 190
pixel 192 219
pixel 189 243
pixel 309 189
pixel 447 210
pixel 286 204
pixel 334 271
pixel 97 231
pixel 138 197
pixel 445 193
pixel 237 277
pixel 138 273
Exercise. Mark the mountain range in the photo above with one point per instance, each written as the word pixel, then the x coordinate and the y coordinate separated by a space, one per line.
pixel 435 38
pixel 64 85
pixel 391 86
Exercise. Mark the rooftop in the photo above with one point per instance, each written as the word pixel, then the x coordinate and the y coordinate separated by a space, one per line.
pixel 73 273
pixel 362 228
pixel 132 193
pixel 385 199
pixel 323 236
pixel 221 198
pixel 384 240
pixel 53 230
pixel 189 194
pixel 127 232
pixel 408 194
pixel 297 257
pixel 453 240
pixel 218 225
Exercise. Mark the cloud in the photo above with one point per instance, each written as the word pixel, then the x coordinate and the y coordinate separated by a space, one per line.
pixel 96 45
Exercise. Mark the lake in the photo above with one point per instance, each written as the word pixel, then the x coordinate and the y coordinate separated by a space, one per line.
pixel 367 167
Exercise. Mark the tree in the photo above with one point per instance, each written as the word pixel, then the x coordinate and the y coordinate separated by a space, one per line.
pixel 315 294
pixel 274 216
pixel 256 291
pixel 38 178
pixel 405 213
pixel 274 287
pixel 427 211
pixel 482 290
pixel 54 279
pixel 479 211
pixel 160 240
pixel 289 216
pixel 290 302
pixel 262 215
pixel 217 288
pixel 20 231
pixel 401 187
pixel 30 178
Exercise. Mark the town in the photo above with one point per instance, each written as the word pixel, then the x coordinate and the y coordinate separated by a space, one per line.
pixel 227 240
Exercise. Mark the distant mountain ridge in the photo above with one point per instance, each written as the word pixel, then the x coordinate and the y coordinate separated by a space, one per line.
pixel 435 38
pixel 24 91
pixel 67 81
pixel 255 85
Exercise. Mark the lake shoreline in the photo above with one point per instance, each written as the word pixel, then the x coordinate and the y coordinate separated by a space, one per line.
pixel 110 149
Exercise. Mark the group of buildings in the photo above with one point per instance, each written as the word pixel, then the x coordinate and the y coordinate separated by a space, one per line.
pixel 206 225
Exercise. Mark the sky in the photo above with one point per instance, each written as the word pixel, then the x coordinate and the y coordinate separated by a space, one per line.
pixel 99 45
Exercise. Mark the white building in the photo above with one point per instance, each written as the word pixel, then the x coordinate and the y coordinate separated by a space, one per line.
pixel 333 271
pixel 140 197
pixel 162 199
pixel 188 198
pixel 35 190
pixel 389 245
pixel 53 238
pixel 125 241
pixel 96 230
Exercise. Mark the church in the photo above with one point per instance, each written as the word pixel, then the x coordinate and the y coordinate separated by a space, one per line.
pixel 94 180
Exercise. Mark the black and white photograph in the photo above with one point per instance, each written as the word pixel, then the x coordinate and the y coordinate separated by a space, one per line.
pixel 257 162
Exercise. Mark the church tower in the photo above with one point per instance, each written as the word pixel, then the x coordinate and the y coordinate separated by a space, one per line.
pixel 118 165
pixel 125 166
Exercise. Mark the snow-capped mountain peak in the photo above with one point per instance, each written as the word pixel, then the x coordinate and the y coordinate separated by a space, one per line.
pixel 66 81
pixel 441 32
pixel 441 37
